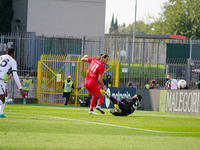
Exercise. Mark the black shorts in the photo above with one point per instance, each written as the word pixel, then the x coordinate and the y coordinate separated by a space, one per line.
pixel 126 108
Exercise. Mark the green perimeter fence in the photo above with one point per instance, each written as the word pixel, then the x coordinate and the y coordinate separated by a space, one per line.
pixel 139 74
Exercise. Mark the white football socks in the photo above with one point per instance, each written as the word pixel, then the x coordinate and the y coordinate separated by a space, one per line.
pixel 2 108
pixel 6 99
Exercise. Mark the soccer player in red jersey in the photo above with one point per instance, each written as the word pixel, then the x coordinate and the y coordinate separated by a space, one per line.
pixel 93 80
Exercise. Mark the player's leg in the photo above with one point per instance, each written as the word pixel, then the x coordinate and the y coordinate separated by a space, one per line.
pixel 116 103
pixel 89 86
pixel 112 99
pixel 117 109
pixel 92 104
pixel 6 91
pixel 105 94
pixel 113 112
pixel 100 100
pixel 98 107
pixel 2 99
pixel 125 108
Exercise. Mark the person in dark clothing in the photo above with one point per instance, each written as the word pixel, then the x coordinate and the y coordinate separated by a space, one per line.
pixel 68 85
pixel 130 84
pixel 108 82
pixel 127 105
pixel 87 100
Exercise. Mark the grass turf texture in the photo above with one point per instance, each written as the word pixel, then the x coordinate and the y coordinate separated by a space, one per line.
pixel 61 127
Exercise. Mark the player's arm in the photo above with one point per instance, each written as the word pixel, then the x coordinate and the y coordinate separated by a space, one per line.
pixel 17 81
pixel 100 79
pixel 16 78
pixel 85 58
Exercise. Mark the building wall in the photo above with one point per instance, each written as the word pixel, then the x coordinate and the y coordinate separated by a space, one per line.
pixel 19 16
pixel 66 17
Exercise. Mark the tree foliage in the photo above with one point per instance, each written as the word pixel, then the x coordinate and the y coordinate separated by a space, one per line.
pixel 180 17
pixel 141 28
pixel 113 26
pixel 6 15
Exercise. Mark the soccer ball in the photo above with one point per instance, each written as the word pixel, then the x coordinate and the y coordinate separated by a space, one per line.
pixel 10 100
pixel 182 83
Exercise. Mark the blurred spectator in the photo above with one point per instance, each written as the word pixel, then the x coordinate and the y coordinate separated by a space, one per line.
pixel 171 83
pixel 197 85
pixel 107 82
pixel 68 85
pixel 26 85
pixel 87 100
pixel 130 84
pixel 147 85
pixel 154 85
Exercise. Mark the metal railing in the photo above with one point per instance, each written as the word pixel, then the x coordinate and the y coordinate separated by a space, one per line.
pixel 146 62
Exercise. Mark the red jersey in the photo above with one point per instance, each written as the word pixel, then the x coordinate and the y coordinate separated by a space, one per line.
pixel 95 69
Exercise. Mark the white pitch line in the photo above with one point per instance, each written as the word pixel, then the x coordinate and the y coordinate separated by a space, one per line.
pixel 105 124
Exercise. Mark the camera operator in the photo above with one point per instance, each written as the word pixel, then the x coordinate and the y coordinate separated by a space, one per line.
pixel 130 84
pixel 153 85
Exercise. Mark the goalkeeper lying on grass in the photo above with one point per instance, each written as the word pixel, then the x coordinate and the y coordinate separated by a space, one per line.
pixel 127 105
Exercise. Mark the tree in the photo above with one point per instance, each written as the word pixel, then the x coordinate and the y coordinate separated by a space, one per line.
pixel 6 15
pixel 122 28
pixel 116 24
pixel 141 28
pixel 180 17
pixel 113 26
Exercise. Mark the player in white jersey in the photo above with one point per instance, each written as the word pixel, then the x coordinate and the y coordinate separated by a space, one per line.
pixel 7 62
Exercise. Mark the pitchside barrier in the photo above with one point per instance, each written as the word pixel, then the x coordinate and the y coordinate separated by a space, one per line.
pixel 176 101
pixel 54 69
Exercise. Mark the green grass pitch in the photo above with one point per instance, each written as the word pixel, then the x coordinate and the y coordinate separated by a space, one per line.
pixel 41 127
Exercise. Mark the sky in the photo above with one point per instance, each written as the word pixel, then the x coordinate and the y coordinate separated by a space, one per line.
pixel 124 10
